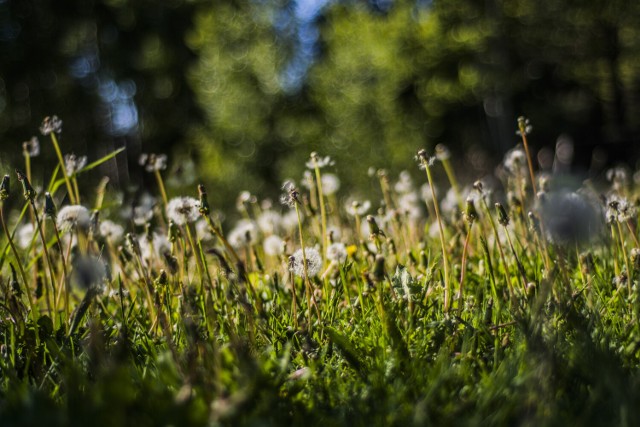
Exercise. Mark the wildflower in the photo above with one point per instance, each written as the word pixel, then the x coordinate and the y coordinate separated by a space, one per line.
pixel 524 126
pixel 243 199
pixel 74 164
pixel 330 184
pixel 319 162
pixel 515 161
pixel 243 234
pixel 203 231
pixel 290 221
pixel 143 212
pixel 157 245
pixel 72 216
pixel 308 181
pixel 51 125
pixel 569 217
pixel 183 210
pixel 313 262
pixel 153 162
pixel 31 147
pixel 426 194
pixel 273 245
pixel 404 184
pixel 25 235
pixel 356 208
pixel 423 159
pixel 337 252
pixel 291 195
pixel 111 231
pixel 619 209
pixel 409 205
pixel 269 221
pixel 442 152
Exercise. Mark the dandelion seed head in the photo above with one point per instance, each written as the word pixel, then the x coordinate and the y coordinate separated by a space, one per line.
pixel 243 234
pixel 442 152
pixel 337 252
pixel 203 231
pixel 112 231
pixel 318 161
pixel 290 221
pixel 25 235
pixel 273 245
pixel 73 164
pixel 515 161
pixel 355 207
pixel 291 195
pixel 183 210
pixel 31 147
pixel 330 184
pixel 313 262
pixel 524 126
pixel 50 125
pixel 243 199
pixel 404 183
pixel 72 216
pixel 153 162
pixel 269 221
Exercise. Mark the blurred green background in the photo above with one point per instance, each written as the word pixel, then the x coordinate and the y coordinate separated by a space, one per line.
pixel 243 90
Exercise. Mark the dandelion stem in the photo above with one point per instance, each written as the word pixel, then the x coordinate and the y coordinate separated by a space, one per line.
pixel 445 259
pixel 323 213
pixel 63 168
pixel 522 125
pixel 32 305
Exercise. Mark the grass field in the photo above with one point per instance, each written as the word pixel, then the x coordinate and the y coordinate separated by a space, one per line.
pixel 510 301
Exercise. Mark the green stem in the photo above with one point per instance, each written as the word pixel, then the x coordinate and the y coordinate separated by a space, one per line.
pixel 445 259
pixel 67 182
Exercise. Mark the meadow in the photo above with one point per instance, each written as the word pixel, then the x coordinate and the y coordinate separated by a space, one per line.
pixel 511 300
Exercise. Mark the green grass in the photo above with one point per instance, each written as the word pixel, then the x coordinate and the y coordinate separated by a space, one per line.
pixel 208 328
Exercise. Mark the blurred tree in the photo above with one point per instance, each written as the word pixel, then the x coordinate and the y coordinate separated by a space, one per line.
pixel 112 70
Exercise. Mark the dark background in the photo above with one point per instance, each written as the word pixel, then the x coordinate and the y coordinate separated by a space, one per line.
pixel 243 90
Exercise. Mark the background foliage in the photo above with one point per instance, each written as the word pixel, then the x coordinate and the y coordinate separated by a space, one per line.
pixel 251 87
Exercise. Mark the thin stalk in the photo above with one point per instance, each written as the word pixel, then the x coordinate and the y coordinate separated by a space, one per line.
pixel 304 267
pixel 34 309
pixel 67 182
pixel 65 276
pixel 522 125
pixel 463 267
pixel 46 253
pixel 163 191
pixel 323 213
pixel 445 259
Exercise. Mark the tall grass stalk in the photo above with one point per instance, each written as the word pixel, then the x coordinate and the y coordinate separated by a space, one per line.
pixel 425 161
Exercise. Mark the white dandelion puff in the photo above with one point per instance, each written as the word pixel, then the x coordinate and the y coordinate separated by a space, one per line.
pixel 337 252
pixel 111 230
pixel 313 262
pixel 273 245
pixel 243 234
pixel 330 184
pixel 72 216
pixel 183 210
